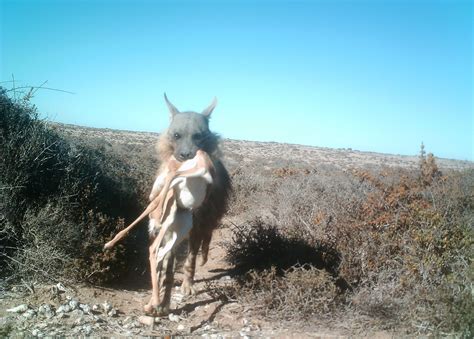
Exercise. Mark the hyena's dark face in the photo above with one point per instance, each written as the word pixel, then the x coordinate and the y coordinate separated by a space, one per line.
pixel 189 131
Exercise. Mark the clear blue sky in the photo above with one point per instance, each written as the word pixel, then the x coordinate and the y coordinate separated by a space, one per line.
pixel 370 75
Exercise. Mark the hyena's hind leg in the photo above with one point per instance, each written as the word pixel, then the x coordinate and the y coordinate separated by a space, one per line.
pixel 189 267
pixel 206 240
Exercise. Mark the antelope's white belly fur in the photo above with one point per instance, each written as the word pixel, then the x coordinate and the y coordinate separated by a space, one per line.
pixel 191 192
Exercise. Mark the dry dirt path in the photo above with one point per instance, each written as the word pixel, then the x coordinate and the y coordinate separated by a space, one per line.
pixel 200 315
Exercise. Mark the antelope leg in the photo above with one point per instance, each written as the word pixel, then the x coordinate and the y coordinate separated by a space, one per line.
pixel 155 294
pixel 156 203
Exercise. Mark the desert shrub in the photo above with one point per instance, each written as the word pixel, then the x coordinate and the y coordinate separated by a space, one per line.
pixel 305 204
pixel 406 248
pixel 260 246
pixel 403 240
pixel 58 202
pixel 299 292
pixel 284 277
pixel 251 191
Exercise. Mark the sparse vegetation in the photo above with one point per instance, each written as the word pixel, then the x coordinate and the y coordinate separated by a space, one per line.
pixel 390 248
pixel 403 242
pixel 59 201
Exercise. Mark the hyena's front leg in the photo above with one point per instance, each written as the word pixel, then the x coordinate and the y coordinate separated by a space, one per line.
pixel 189 267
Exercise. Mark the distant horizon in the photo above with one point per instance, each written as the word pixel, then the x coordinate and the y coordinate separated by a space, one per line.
pixel 376 76
pixel 350 149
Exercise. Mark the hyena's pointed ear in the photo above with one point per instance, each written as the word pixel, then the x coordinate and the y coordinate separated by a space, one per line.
pixel 173 110
pixel 207 112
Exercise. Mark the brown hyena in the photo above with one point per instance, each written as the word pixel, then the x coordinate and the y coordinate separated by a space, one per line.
pixel 187 133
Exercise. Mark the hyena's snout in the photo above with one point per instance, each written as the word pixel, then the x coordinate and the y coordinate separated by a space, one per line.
pixel 183 156
pixel 186 152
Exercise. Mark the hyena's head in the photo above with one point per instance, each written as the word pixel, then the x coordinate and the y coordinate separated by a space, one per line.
pixel 189 132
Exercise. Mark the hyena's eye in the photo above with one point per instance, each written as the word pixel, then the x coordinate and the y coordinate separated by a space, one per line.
pixel 176 136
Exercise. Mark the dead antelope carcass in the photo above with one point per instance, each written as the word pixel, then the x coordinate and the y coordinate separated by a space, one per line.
pixel 177 191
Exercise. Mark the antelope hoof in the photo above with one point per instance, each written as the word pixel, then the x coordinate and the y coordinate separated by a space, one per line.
pixel 149 308
pixel 187 288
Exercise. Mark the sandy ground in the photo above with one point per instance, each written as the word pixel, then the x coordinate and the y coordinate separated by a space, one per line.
pixel 198 315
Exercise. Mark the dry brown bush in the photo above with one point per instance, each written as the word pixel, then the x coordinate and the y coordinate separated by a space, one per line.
pixel 251 191
pixel 297 293
pixel 301 292
pixel 403 240
pixel 260 246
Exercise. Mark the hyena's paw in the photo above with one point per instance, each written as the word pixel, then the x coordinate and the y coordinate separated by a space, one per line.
pixel 187 288
pixel 162 309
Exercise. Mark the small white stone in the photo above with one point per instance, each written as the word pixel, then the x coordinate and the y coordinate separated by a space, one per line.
pixel 107 306
pixel 86 308
pixel 19 309
pixel 46 310
pixel 173 317
pixel 60 287
pixel 112 313
pixel 64 309
pixel 29 314
pixel 180 327
pixel 146 320
pixel 95 308
pixel 74 304
pixel 87 329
